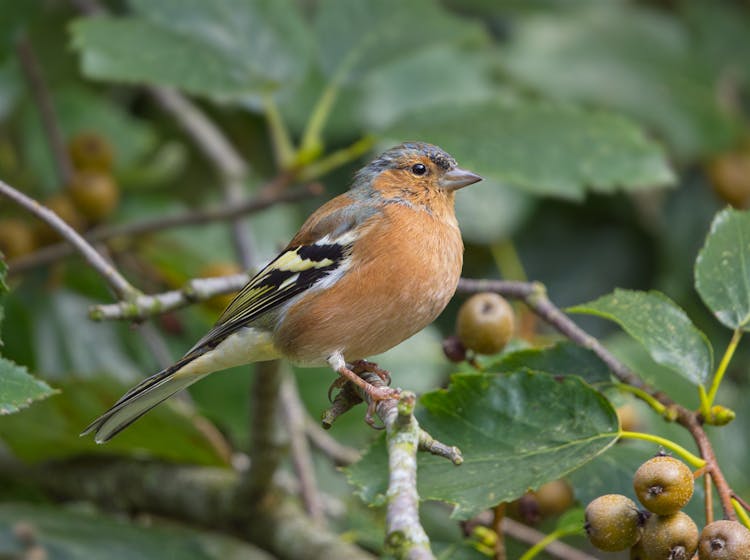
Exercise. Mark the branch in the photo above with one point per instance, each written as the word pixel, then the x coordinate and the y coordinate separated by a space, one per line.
pixel 144 306
pixel 294 414
pixel 534 295
pixel 121 287
pixel 217 148
pixel 207 136
pixel 405 537
pixel 340 454
pixel 152 225
pixel 266 446
pixel 159 488
pixel 43 100
pixel 350 396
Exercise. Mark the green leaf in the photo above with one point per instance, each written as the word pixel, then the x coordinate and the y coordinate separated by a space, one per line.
pixel 355 36
pixel 722 269
pixel 564 358
pixel 516 432
pixel 50 430
pixel 67 533
pixel 542 148
pixel 222 48
pixel 18 389
pixel 630 59
pixel 661 326
pixel 390 91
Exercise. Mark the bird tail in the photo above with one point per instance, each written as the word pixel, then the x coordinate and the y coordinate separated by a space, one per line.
pixel 140 399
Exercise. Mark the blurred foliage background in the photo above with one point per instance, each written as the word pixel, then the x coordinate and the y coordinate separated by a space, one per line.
pixel 609 133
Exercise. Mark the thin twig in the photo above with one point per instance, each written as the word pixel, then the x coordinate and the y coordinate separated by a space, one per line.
pixel 405 536
pixel 294 414
pixel 498 514
pixel 121 287
pixel 249 206
pixel 741 501
pixel 340 454
pixel 206 135
pixel 266 446
pixel 527 535
pixel 350 396
pixel 144 306
pixel 708 490
pixel 217 148
pixel 535 296
pixel 43 100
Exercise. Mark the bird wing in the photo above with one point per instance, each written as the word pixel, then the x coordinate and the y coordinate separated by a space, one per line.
pixel 321 248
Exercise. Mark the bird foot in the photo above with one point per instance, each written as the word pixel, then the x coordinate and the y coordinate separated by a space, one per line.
pixel 376 395
pixel 361 366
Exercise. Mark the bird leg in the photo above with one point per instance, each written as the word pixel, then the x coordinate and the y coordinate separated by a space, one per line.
pixel 364 365
pixel 374 393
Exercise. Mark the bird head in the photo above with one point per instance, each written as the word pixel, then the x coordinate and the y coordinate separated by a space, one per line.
pixel 412 171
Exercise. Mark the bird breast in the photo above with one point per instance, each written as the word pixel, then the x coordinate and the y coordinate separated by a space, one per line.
pixel 402 273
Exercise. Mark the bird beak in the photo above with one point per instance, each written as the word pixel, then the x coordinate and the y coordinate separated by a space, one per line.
pixel 458 178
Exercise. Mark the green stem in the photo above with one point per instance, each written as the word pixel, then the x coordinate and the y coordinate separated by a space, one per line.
pixel 694 460
pixel 542 544
pixel 283 147
pixel 721 370
pixel 335 160
pixel 312 142
pixel 741 513
pixel 644 396
pixel 312 138
pixel 705 404
pixel 507 260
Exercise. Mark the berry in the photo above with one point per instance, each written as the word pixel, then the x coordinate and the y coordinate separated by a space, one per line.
pixel 91 152
pixel 628 415
pixel 485 323
pixel 16 238
pixel 724 540
pixel 453 349
pixel 61 205
pixel 730 177
pixel 95 194
pixel 663 485
pixel 554 498
pixel 669 537
pixel 613 522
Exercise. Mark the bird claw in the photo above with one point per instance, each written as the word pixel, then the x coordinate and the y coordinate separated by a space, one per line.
pixel 337 383
pixel 364 365
pixel 370 417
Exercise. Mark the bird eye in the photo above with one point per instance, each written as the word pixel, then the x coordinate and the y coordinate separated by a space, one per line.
pixel 418 169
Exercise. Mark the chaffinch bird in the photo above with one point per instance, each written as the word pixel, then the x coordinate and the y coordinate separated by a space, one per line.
pixel 366 271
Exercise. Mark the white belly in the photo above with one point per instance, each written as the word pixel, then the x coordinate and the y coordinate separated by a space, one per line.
pixel 246 345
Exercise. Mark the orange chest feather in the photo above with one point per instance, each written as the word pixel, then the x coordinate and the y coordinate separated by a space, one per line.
pixel 403 271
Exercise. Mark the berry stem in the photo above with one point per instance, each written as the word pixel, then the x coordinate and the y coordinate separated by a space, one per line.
pixel 741 513
pixel 507 261
pixel 644 396
pixel 720 371
pixel 691 458
pixel 553 536
pixel 336 159
pixel 280 140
